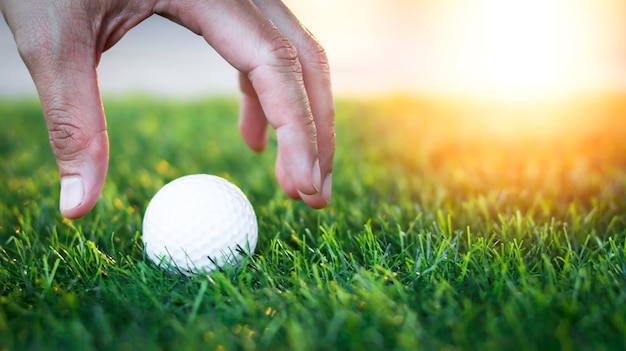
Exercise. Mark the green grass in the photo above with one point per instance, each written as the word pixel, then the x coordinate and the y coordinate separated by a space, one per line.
pixel 442 235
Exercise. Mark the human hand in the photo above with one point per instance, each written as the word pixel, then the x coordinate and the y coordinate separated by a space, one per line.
pixel 284 78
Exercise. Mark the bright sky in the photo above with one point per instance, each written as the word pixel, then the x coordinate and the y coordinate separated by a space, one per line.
pixel 518 48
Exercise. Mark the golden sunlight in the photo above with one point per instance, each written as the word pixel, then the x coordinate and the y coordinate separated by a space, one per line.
pixel 523 79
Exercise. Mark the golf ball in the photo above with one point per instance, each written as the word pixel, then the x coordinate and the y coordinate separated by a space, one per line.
pixel 198 223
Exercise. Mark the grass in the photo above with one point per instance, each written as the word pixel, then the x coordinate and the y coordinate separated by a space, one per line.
pixel 443 234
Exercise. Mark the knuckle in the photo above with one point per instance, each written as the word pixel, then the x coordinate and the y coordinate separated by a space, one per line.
pixel 67 138
pixel 283 52
pixel 314 51
pixel 283 47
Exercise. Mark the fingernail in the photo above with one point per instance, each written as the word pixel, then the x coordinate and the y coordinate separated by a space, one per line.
pixel 327 188
pixel 317 176
pixel 72 192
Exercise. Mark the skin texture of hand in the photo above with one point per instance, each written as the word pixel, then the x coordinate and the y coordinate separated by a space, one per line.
pixel 284 78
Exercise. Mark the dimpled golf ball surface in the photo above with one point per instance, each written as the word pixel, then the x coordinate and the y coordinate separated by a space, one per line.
pixel 198 223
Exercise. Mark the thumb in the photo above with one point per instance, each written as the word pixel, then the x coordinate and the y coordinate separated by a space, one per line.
pixel 73 110
pixel 59 45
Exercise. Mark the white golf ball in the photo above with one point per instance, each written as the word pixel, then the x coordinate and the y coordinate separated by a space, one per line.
pixel 197 223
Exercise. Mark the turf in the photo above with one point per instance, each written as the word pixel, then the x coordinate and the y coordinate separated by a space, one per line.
pixel 447 231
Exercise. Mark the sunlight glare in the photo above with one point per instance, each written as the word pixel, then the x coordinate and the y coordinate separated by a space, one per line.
pixel 524 45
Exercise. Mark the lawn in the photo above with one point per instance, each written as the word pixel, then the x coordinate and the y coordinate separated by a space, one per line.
pixel 454 225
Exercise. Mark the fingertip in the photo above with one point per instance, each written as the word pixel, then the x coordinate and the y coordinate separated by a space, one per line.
pixel 76 199
pixel 72 196
pixel 308 182
pixel 316 202
pixel 82 179
pixel 327 187
pixel 321 199
pixel 316 176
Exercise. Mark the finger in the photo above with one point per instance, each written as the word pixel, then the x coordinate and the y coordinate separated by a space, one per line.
pixel 252 120
pixel 317 81
pixel 66 81
pixel 251 43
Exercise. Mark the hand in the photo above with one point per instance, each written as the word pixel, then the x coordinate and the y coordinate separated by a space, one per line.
pixel 284 77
